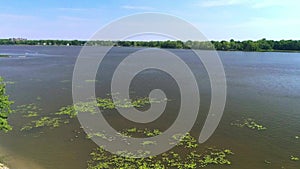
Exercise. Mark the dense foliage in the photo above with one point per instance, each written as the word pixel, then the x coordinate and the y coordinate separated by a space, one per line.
pixel 248 45
pixel 5 109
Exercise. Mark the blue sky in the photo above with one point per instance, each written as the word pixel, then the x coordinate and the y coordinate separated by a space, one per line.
pixel 216 19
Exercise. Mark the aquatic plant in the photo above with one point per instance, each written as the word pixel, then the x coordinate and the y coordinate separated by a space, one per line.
pixel 91 81
pixel 43 122
pixel 193 159
pixel 294 158
pixel 28 110
pixel 102 135
pixel 5 107
pixel 249 123
pixel 140 132
pixel 215 156
pixel 71 111
pixel 145 143
pixel 186 140
pixel 9 82
pixel 65 81
pixel 68 110
pixel 107 103
pixel 31 114
pixel 267 162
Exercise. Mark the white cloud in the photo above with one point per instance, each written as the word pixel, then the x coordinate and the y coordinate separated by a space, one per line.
pixel 145 8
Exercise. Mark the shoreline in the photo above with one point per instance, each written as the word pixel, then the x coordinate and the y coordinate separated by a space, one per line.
pixel 2 166
pixel 260 51
pixel 15 161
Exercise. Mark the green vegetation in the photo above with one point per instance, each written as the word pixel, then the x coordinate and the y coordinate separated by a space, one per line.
pixel 63 115
pixel 249 123
pixel 43 122
pixel 9 82
pixel 28 110
pixel 186 140
pixel 232 45
pixel 141 132
pixel 293 158
pixel 5 108
pixel 91 81
pixel 4 56
pixel 193 158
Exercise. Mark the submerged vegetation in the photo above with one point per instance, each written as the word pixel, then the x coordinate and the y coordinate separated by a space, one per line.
pixel 28 110
pixel 5 107
pixel 194 158
pixel 249 123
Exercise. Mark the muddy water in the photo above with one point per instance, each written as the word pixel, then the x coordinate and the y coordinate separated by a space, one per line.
pixel 263 86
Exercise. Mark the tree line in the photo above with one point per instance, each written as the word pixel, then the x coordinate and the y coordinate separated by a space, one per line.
pixel 232 45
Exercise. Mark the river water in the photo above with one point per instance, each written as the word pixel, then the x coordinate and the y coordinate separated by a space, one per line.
pixel 263 86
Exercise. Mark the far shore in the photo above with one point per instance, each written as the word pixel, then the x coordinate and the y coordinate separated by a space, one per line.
pixel 282 51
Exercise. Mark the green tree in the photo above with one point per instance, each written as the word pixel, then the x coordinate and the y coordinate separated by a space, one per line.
pixel 5 109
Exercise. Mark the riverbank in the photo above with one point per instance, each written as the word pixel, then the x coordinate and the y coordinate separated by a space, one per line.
pixel 280 51
pixel 2 166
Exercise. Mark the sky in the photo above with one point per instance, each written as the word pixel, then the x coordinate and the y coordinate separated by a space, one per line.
pixel 216 19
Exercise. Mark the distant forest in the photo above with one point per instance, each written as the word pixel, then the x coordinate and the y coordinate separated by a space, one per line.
pixel 232 45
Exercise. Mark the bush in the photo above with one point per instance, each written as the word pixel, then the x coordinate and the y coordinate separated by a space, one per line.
pixel 5 109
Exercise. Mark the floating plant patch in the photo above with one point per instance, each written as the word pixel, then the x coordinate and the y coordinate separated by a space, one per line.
pixel 194 158
pixel 43 122
pixel 9 82
pixel 267 162
pixel 63 115
pixel 249 123
pixel 186 140
pixel 294 158
pixel 91 81
pixel 107 103
pixel 65 81
pixel 141 132
pixel 71 111
pixel 28 110
pixel 102 135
